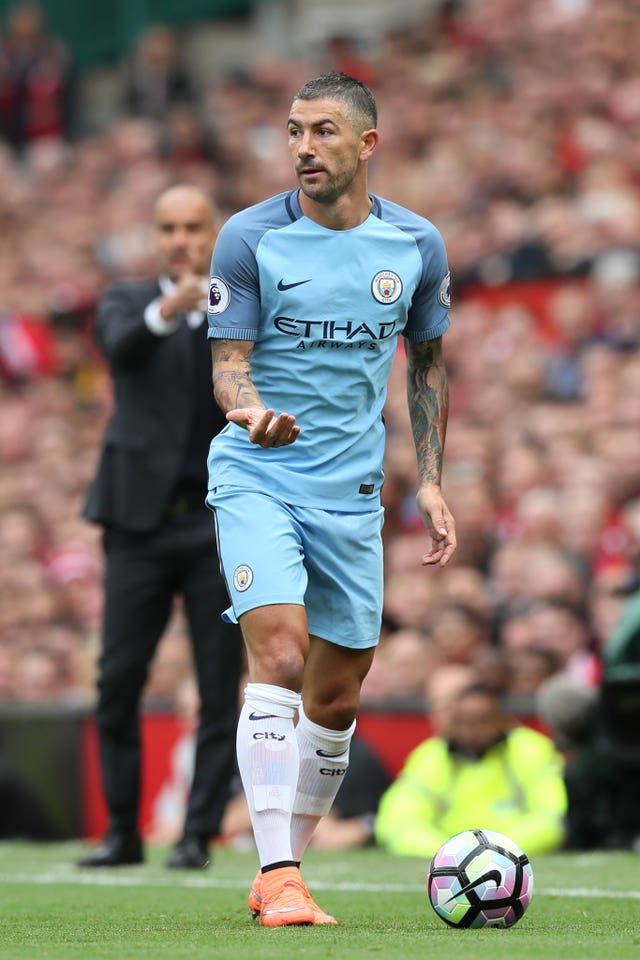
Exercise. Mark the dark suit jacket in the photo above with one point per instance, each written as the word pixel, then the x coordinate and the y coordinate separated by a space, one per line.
pixel 145 441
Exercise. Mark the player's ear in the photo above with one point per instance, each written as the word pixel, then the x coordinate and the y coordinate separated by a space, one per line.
pixel 369 140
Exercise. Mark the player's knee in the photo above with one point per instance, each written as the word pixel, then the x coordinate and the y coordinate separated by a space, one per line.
pixel 282 666
pixel 337 713
pixel 277 651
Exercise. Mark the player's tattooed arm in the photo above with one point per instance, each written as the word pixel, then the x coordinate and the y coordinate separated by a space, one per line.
pixel 231 375
pixel 239 400
pixel 428 397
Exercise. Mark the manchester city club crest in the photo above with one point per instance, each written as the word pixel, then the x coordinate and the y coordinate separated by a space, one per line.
pixel 242 577
pixel 386 286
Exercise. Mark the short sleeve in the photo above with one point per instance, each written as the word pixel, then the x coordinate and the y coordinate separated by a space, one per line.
pixel 428 316
pixel 233 311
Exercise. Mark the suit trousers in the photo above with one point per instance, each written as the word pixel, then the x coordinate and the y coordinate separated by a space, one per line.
pixel 143 574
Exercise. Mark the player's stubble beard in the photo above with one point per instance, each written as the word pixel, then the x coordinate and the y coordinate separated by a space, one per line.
pixel 331 188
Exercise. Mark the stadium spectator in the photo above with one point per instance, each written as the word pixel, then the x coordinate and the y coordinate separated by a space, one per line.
pixel 468 586
pixel 442 688
pixel 7 681
pixel 527 670
pixel 563 628
pixel 398 673
pixel 458 633
pixel 569 711
pixel 611 586
pixel 40 676
pixel 598 728
pixel 74 569
pixel 524 571
pixel 342 55
pixel 36 84
pixel 156 79
pixel 409 599
pixel 480 769
pixel 574 319
pixel 148 496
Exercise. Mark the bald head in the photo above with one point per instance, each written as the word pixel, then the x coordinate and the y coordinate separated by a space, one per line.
pixel 186 225
pixel 442 689
pixel 186 193
pixel 478 719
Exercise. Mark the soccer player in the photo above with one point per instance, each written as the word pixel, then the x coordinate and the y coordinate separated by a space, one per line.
pixel 310 291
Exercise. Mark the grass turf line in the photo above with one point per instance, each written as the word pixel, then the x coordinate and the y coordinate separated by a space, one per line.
pixel 52 910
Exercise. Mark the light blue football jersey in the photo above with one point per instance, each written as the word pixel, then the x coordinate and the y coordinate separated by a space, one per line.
pixel 325 309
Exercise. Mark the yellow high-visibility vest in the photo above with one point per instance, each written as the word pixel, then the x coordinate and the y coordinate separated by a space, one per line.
pixel 517 788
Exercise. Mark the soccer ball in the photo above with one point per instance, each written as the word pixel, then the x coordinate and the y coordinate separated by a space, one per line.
pixel 480 878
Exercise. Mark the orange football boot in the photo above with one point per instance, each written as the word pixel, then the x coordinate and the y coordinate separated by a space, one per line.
pixel 256 896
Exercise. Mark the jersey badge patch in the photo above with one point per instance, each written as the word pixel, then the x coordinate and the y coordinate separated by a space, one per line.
pixel 219 296
pixel 386 286
pixel 242 577
pixel 444 293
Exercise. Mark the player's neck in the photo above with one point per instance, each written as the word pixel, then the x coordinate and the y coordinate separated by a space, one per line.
pixel 344 214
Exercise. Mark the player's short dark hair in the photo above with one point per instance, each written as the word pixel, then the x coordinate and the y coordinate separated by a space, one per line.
pixel 356 96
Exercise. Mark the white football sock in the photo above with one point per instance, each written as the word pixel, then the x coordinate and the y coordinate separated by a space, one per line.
pixel 324 758
pixel 267 751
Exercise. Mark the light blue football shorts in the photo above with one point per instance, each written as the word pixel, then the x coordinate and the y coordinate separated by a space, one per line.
pixel 330 562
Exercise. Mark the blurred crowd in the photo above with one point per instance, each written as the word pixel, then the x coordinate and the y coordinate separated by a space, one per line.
pixel 515 128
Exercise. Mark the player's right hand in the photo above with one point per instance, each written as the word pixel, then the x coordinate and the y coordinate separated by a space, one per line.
pixel 265 429
pixel 189 293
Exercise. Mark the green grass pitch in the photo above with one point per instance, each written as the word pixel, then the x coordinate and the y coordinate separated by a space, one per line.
pixel 584 906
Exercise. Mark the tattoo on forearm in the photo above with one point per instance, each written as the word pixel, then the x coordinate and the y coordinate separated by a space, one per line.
pixel 231 375
pixel 428 397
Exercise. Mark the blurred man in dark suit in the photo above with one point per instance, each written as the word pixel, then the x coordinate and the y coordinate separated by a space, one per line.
pixel 149 496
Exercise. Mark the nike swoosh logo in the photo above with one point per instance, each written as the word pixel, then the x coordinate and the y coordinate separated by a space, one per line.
pixel 289 286
pixel 261 716
pixel 494 875
pixel 329 756
pixel 282 910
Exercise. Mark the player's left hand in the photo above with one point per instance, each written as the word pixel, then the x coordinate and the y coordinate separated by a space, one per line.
pixel 265 429
pixel 439 522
